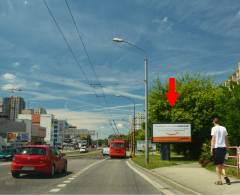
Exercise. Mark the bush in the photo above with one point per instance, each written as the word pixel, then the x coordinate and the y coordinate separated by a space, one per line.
pixel 205 157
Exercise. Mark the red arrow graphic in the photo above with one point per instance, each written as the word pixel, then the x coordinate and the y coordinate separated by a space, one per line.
pixel 172 96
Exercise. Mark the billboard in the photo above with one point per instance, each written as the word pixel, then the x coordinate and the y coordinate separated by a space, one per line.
pixel 172 132
pixel 17 137
pixel 141 146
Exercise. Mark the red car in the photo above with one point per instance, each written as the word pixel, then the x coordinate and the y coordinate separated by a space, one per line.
pixel 117 148
pixel 38 159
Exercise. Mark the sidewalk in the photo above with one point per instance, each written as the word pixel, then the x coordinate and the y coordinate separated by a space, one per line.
pixel 198 179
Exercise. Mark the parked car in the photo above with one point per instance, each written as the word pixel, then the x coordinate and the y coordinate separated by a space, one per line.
pixel 7 154
pixel 105 151
pixel 38 159
pixel 83 149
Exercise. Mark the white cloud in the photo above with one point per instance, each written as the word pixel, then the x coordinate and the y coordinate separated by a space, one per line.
pixel 35 67
pixel 44 97
pixel 9 77
pixel 115 107
pixel 165 19
pixel 80 119
pixel 238 13
pixel 220 72
pixel 163 24
pixel 36 84
pixel 16 64
pixel 9 87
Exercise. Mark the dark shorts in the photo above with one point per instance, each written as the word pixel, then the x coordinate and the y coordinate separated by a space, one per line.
pixel 219 155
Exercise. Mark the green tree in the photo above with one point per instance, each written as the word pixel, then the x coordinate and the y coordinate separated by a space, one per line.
pixel 229 109
pixel 196 104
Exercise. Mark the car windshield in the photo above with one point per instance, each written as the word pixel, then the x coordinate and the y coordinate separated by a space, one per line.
pixel 117 145
pixel 31 151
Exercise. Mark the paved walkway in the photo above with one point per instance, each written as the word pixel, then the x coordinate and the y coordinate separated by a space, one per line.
pixel 198 179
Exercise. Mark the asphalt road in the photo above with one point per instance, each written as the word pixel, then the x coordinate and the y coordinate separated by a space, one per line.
pixel 86 176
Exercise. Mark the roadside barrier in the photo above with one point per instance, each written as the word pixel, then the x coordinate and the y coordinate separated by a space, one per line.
pixel 237 157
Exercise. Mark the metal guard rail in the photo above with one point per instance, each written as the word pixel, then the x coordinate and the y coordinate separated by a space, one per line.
pixel 237 157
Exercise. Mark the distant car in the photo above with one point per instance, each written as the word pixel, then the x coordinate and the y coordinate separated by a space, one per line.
pixel 83 149
pixel 105 151
pixel 38 159
pixel 7 154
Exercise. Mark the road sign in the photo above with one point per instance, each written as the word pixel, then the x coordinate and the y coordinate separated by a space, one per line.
pixel 172 132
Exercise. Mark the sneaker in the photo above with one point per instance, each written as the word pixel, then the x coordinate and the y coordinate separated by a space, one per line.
pixel 228 182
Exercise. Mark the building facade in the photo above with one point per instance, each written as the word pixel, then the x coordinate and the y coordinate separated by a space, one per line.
pixel 139 119
pixel 59 127
pixel 46 120
pixel 10 107
pixel 235 77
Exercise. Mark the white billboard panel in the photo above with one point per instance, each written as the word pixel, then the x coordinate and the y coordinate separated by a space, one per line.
pixel 172 132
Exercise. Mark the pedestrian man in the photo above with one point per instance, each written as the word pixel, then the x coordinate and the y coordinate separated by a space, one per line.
pixel 219 143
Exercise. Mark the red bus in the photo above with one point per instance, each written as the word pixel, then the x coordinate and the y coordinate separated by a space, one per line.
pixel 117 148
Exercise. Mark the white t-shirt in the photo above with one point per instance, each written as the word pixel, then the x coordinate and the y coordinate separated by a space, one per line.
pixel 220 133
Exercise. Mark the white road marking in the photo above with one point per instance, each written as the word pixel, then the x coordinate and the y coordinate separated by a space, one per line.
pixel 62 185
pixel 5 163
pixel 153 183
pixel 68 181
pixel 55 190
pixel 88 167
pixel 71 178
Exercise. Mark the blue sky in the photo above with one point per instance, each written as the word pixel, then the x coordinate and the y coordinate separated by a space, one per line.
pixel 179 36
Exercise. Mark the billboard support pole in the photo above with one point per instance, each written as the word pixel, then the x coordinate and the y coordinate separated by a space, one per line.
pixel 165 151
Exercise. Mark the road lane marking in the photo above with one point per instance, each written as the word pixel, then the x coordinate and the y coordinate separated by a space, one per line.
pixel 55 190
pixel 68 181
pixel 61 185
pixel 153 183
pixel 71 178
pixel 88 167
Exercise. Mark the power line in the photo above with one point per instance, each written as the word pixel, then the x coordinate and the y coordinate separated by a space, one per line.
pixel 116 126
pixel 81 39
pixel 66 41
pixel 88 56
pixel 70 48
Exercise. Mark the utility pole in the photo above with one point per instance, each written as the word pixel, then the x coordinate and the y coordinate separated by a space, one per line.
pixel 97 140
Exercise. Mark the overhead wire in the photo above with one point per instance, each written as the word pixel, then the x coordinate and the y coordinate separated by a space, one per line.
pixel 69 47
pixel 88 56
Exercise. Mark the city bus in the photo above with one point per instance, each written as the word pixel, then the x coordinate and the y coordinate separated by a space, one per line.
pixel 117 148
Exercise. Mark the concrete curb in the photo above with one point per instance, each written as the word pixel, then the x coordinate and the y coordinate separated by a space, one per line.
pixel 167 180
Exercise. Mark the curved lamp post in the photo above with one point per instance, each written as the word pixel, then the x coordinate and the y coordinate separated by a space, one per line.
pixel 119 40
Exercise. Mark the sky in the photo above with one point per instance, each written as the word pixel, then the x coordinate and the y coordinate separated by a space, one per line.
pixel 178 36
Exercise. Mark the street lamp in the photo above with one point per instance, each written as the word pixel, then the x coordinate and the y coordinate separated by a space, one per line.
pixel 119 40
pixel 133 137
